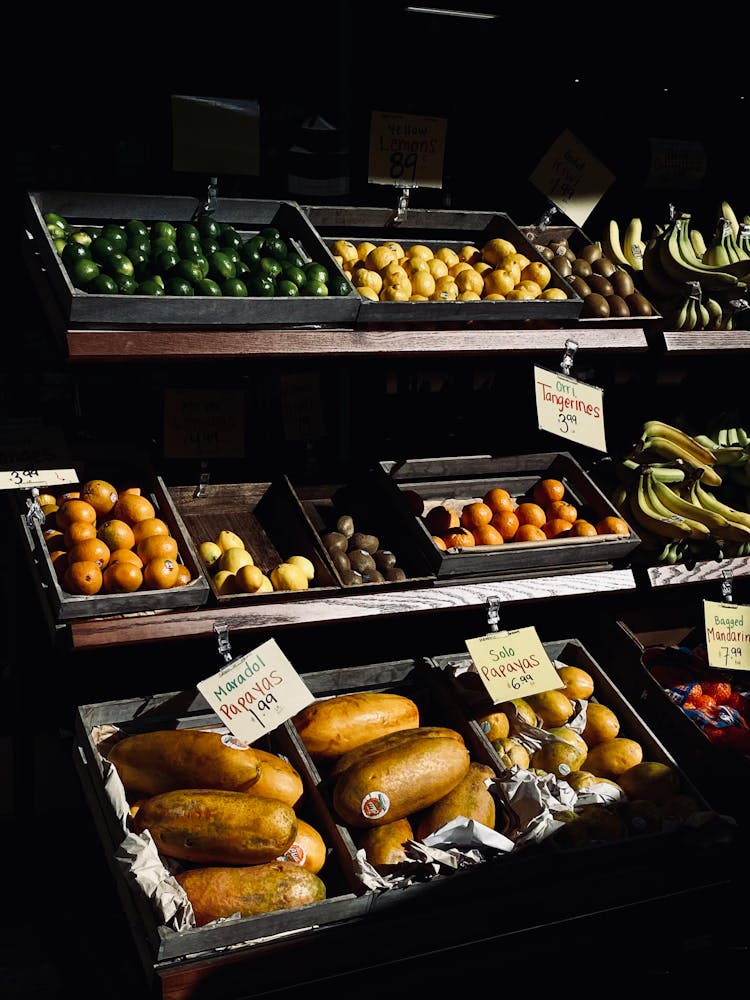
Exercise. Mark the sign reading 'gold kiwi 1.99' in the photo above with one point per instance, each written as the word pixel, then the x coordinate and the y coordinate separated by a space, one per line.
pixel 571 177
pixel 406 150
pixel 513 664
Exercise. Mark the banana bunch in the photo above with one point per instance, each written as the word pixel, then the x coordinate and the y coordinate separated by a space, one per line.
pixel 626 249
pixel 669 478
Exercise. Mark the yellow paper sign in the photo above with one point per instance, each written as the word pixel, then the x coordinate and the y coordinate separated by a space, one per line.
pixel 727 635
pixel 204 423
pixel 569 408
pixel 513 664
pixel 406 150
pixel 572 177
pixel 256 692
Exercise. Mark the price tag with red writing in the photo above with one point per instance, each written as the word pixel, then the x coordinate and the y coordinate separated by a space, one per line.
pixel 727 635
pixel 513 664
pixel 255 693
pixel 569 408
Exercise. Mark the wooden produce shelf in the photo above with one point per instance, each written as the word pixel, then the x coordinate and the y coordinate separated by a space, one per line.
pixel 677 342
pixel 702 572
pixel 255 615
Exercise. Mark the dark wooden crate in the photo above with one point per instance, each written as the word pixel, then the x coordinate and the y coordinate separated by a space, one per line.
pixel 577 239
pixel 461 479
pixel 66 607
pixel 249 216
pixel 270 521
pixel 346 899
pixel 436 228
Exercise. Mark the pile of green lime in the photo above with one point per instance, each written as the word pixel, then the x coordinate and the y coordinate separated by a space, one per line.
pixel 205 257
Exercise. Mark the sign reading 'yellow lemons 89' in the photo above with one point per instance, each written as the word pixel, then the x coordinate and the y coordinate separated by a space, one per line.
pixel 406 150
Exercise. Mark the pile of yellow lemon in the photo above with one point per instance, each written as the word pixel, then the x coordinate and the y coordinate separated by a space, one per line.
pixel 234 570
pixel 388 272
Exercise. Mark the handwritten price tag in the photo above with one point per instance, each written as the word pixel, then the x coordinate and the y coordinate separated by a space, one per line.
pixel 256 692
pixel 406 150
pixel 26 478
pixel 727 635
pixel 572 177
pixel 569 408
pixel 513 664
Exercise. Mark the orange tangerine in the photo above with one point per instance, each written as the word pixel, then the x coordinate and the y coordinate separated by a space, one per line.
pixel 100 494
pixel 556 528
pixel 125 555
pixel 122 578
pixel 74 510
pixel 54 539
pixel 83 577
pixel 546 491
pixel 153 546
pixel 487 534
pixel 132 507
pixel 581 527
pixel 563 509
pixel 440 518
pixel 116 534
pixel 439 542
pixel 506 522
pixel 529 533
pixel 460 538
pixel 530 513
pixel 183 575
pixel 498 499
pixel 78 531
pixel 475 514
pixel 612 526
pixel 59 559
pixel 89 550
pixel 161 573
pixel 68 495
pixel 148 526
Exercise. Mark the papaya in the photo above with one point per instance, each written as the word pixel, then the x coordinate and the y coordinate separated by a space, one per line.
pixel 400 780
pixel 216 892
pixel 384 845
pixel 165 760
pixel 389 740
pixel 307 849
pixel 217 827
pixel 331 726
pixel 278 778
pixel 470 798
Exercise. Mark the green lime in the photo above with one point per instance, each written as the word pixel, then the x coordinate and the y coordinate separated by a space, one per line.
pixel 125 284
pixel 141 263
pixel 56 232
pixel 83 271
pixel 103 284
pixel 80 236
pixel 150 287
pixel 54 219
pixel 316 271
pixel 72 252
pixel 188 232
pixel 207 286
pixel 188 270
pixel 164 261
pixel 209 245
pixel 269 266
pixel 203 264
pixel 262 285
pixel 116 236
pixel 142 243
pixel 60 243
pixel 287 287
pixel 220 266
pixel 229 237
pixel 250 252
pixel 339 284
pixel 293 273
pixel 162 243
pixel 101 248
pixel 270 233
pixel 275 247
pixel 136 230
pixel 175 285
pixel 233 254
pixel 234 287
pixel 158 279
pixel 242 268
pixel 314 287
pixel 208 226
pixel 294 258
pixel 160 230
pixel 118 263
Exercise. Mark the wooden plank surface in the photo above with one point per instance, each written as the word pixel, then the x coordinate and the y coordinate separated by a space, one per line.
pixel 690 341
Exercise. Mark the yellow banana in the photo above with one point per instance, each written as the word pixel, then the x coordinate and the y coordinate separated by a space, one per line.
pixel 668 449
pixel 658 428
pixel 681 264
pixel 632 244
pixel 727 212
pixel 696 528
pixel 708 500
pixel 613 247
pixel 699 244
pixel 694 514
pixel 656 278
pixel 647 518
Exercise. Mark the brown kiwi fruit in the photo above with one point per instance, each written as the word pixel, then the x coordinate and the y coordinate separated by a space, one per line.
pixel 590 253
pixel 622 283
pixel 581 268
pixel 579 286
pixel 617 306
pixel 598 283
pixel 595 305
pixel 603 266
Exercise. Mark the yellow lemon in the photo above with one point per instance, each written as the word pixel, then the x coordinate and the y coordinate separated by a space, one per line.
pixel 512 267
pixel 377 258
pixel 497 282
pixel 537 271
pixel 481 266
pixel 422 283
pixel 517 258
pixel 494 250
pixel 418 298
pixel 248 579
pixel 494 297
pixel 519 295
pixel 368 293
pixel 458 267
pixel 469 297
pixel 419 250
pixel 225 582
pixel 363 277
pixel 448 256
pixel 229 540
pixel 346 250
pixel 287 576
pixel 393 273
pixel 531 286
pixel 438 268
pixel 470 281
pixel 232 559
pixel 553 293
pixel 209 552
pixel 413 264
pixel 304 564
pixel 364 248
pixel 470 253
pixel 398 250
pixel 395 293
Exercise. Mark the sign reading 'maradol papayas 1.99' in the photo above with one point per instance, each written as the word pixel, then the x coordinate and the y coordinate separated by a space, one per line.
pixel 406 150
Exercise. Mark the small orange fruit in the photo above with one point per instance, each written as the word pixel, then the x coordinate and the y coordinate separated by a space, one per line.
pixel 530 513
pixel 50 510
pixel 59 560
pixel 116 534
pixel 68 495
pixel 440 518
pixel 506 522
pixel 556 528
pixel 498 499
pixel 74 510
pixel 46 498
pixel 183 575
pixel 160 573
pixel 563 509
pixel 612 526
pixel 129 489
pixel 54 539
pixel 149 526
pixel 122 578
pixel 132 507
pixel 100 494
pixel 90 550
pixel 439 542
pixel 475 514
pixel 157 545
pixel 460 538
pixel 582 528
pixel 78 531
pixel 83 577
pixel 529 533
pixel 125 555
pixel 486 534
pixel 546 491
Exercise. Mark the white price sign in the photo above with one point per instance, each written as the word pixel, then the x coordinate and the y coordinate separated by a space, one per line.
pixel 727 635
pixel 16 479
pixel 569 408
pixel 572 177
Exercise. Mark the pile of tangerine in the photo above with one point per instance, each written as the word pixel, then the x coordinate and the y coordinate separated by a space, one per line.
pixel 102 539
pixel 497 518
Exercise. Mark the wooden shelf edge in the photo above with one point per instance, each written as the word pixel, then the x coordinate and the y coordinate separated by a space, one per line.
pixel 702 572
pixel 258 617
pixel 702 341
